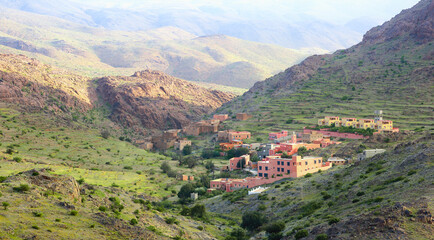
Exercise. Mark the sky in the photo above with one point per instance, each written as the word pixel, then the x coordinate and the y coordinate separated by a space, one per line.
pixel 333 11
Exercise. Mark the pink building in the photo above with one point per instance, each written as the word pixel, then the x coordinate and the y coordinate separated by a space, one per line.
pixel 294 167
pixel 277 135
pixel 237 162
pixel 292 148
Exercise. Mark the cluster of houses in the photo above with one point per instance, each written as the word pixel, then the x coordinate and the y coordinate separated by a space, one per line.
pixel 170 138
pixel 377 123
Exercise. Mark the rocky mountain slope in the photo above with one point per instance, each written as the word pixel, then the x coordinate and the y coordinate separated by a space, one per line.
pixel 157 101
pixel 99 52
pixel 391 69
pixel 147 100
pixel 34 85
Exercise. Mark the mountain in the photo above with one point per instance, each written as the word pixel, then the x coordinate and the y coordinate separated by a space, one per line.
pixel 391 69
pixel 288 24
pixel 148 100
pixel 98 52
pixel 155 100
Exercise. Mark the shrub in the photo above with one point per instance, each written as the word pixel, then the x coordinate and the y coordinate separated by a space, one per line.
pixel 276 227
pixel 237 234
pixel 187 150
pixel 35 227
pixel 3 178
pixel 17 159
pixel 57 220
pixel 200 228
pixel 308 175
pixel 73 213
pixel 5 205
pixel 185 191
pixel 171 220
pixel 80 181
pixel 198 211
pixel 128 168
pixel 165 167
pixel 105 134
pixel 37 214
pixel 21 188
pixel 133 221
pixel 301 234
pixel 102 208
pixel 310 208
pixel 333 220
pixel 360 193
pixel 252 220
pixel 322 236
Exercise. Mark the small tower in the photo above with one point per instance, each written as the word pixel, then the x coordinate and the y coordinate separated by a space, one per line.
pixel 378 115
pixel 294 138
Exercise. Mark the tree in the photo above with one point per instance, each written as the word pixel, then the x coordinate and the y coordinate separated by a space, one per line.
pixel 187 150
pixel 241 163
pixel 210 166
pixel 198 211
pixel 255 158
pixel 185 191
pixel 252 220
pixel 105 134
pixel 275 227
pixel 285 155
pixel 302 150
pixel 5 205
pixel 165 167
pixel 301 234
pixel 237 234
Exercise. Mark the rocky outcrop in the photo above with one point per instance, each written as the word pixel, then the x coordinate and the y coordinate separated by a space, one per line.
pixel 64 185
pixel 154 100
pixel 418 22
pixel 34 85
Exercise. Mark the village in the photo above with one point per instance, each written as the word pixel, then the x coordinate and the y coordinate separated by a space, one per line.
pixel 283 156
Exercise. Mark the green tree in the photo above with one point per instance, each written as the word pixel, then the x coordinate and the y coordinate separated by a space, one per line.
pixel 209 165
pixel 198 211
pixel 187 150
pixel 5 205
pixel 302 150
pixel 237 234
pixel 252 220
pixel 185 191
pixel 165 167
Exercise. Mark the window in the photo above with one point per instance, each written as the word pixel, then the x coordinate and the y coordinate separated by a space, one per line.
pixel 260 174
pixel 288 163
pixel 319 161
pixel 288 171
pixel 278 169
pixel 266 168
pixel 314 161
pixel 283 170
pixel 305 163
pixel 265 174
pixel 278 162
pixel 260 167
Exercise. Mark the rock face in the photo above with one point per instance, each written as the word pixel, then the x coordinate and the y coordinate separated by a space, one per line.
pixel 154 100
pixel 34 85
pixel 65 185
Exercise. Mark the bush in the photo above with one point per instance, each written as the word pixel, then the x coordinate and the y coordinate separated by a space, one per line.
pixel 185 191
pixel 133 221
pixel 187 150
pixel 360 193
pixel 310 208
pixel 5 205
pixel 37 214
pixel 322 236
pixel 200 228
pixel 308 175
pixel 237 234
pixel 80 181
pixel 73 213
pixel 253 220
pixel 276 227
pixel 21 188
pixel 105 134
pixel 102 208
pixel 333 220
pixel 198 211
pixel 3 178
pixel 301 234
pixel 17 159
pixel 171 220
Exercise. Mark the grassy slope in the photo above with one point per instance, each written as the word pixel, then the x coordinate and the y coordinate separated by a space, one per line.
pixel 80 152
pixel 97 52
pixel 392 83
pixel 402 175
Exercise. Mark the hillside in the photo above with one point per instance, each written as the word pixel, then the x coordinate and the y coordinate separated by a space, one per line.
pixel 391 69
pixel 69 167
pixel 98 52
pixel 388 196
pixel 154 100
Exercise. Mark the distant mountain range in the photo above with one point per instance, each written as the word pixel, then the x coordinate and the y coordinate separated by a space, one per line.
pixel 99 52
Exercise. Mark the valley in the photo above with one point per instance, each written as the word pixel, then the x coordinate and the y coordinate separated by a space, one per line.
pixel 102 138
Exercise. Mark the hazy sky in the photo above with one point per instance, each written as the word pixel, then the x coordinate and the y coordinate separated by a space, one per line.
pixel 334 11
